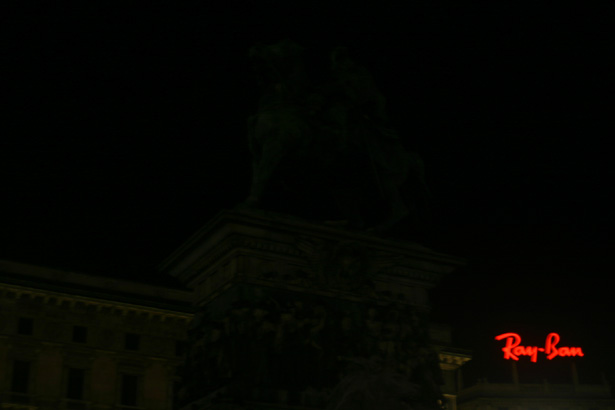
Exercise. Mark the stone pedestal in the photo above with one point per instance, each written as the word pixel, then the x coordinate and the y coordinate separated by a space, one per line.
pixel 293 314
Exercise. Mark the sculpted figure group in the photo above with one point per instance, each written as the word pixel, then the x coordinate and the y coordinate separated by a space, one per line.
pixel 334 132
pixel 339 350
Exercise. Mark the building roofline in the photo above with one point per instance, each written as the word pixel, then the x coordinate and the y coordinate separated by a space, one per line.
pixel 61 281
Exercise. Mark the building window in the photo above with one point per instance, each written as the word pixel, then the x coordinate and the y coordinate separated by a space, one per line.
pixel 25 326
pixel 131 341
pixel 75 383
pixel 180 348
pixel 129 389
pixel 21 377
pixel 80 334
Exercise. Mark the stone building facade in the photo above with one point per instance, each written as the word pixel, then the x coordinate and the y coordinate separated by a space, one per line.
pixel 452 359
pixel 75 341
pixel 525 396
pixel 81 342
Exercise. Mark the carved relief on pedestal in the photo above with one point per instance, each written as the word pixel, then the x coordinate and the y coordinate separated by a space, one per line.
pixel 259 344
pixel 354 267
pixel 345 266
pixel 336 265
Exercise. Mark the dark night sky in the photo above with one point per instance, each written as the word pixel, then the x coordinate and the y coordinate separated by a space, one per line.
pixel 126 133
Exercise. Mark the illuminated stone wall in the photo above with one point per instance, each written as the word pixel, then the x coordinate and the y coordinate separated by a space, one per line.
pixel 62 348
pixel 511 396
pixel 451 361
pixel 72 331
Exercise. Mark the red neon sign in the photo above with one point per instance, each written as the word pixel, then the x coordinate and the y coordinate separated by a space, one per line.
pixel 513 350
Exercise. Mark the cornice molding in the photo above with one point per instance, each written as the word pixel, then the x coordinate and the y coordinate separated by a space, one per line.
pixel 47 297
pixel 453 359
pixel 92 285
pixel 279 234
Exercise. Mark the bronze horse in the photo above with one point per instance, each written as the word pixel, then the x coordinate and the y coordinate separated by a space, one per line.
pixel 336 129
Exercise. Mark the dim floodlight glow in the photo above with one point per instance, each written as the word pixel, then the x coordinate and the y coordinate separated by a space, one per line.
pixel 512 349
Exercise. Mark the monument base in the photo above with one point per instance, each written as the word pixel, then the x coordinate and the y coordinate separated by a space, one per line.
pixel 293 314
